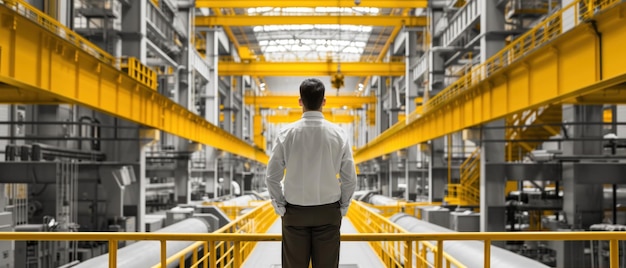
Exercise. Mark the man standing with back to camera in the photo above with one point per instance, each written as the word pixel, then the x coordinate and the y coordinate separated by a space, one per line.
pixel 313 152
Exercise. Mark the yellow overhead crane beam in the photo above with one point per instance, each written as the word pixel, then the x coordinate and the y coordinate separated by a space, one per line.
pixel 312 4
pixel 291 102
pixel 41 61
pixel 258 20
pixel 295 116
pixel 261 68
pixel 541 67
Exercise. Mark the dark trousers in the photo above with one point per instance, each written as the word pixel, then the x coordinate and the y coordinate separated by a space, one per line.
pixel 311 233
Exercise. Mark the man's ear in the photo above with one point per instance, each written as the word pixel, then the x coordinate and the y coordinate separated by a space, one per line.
pixel 300 102
pixel 324 102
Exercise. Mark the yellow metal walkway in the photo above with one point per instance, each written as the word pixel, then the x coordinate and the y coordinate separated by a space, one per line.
pixel 43 62
pixel 352 254
pixel 560 60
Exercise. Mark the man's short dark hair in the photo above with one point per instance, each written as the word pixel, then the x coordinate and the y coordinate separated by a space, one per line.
pixel 312 93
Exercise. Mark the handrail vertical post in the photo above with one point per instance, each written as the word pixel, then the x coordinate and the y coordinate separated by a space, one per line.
pixel 439 254
pixel 213 253
pixel 614 253
pixel 237 251
pixel 409 254
pixel 487 256
pixel 194 257
pixel 206 252
pixel 112 253
pixel 163 253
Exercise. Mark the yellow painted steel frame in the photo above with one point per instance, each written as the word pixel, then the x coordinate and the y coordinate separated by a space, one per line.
pixel 229 246
pixel 43 62
pixel 256 20
pixel 313 4
pixel 291 101
pixel 261 68
pixel 139 72
pixel 543 66
pixel 291 117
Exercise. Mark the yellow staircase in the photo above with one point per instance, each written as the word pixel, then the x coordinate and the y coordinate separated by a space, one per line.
pixel 467 191
pixel 530 128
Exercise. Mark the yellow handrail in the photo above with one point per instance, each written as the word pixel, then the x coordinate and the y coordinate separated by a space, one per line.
pixel 406 238
pixel 136 69
pixel 258 220
pixel 28 11
pixel 543 32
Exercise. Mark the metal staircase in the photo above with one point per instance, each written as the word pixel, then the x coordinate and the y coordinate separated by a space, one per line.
pixel 528 129
pixel 467 191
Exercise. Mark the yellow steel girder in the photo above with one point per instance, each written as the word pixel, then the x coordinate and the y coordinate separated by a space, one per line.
pixel 295 116
pixel 259 68
pixel 46 63
pixel 256 20
pixel 291 102
pixel 541 67
pixel 313 4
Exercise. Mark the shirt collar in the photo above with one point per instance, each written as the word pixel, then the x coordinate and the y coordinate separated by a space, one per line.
pixel 313 115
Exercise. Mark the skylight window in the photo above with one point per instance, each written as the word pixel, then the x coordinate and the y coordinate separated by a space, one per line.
pixel 303 27
pixel 312 42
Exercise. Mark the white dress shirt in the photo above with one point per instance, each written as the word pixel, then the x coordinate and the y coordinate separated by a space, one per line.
pixel 313 151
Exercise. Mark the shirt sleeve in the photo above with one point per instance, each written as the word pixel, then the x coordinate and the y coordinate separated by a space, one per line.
pixel 275 173
pixel 347 176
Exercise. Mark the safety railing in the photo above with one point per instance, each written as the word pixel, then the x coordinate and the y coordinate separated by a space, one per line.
pixel 391 239
pixel 229 246
pixel 47 22
pixel 394 253
pixel 546 31
pixel 218 253
pixel 135 69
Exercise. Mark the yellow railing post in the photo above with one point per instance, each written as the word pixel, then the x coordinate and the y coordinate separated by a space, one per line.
pixel 112 253
pixel 205 250
pixel 194 257
pixel 408 254
pixel 487 252
pixel 163 253
pixel 237 252
pixel 614 253
pixel 213 253
pixel 439 254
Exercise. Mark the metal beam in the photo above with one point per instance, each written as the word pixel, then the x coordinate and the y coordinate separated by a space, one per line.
pixel 50 61
pixel 243 20
pixel 310 68
pixel 555 67
pixel 312 4
pixel 292 117
pixel 291 102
